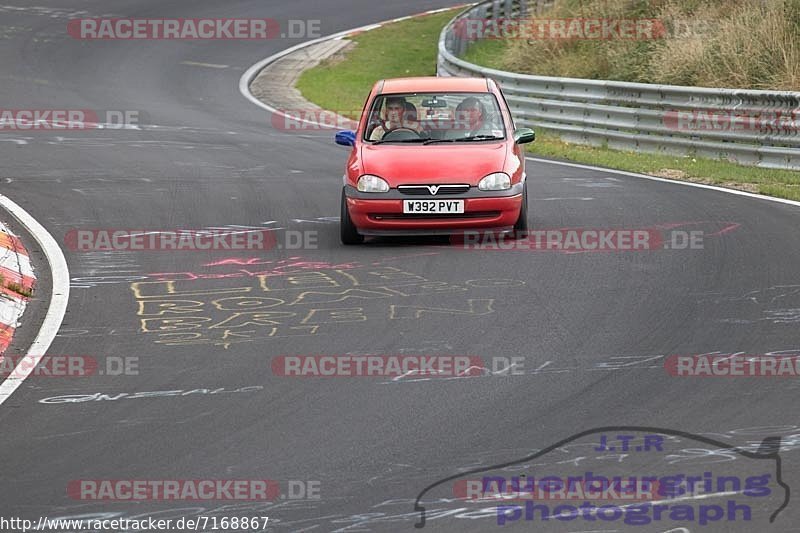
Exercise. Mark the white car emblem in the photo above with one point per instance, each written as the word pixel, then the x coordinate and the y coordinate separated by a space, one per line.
pixel 433 189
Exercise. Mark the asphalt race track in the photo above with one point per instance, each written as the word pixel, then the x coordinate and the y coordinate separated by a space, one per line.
pixel 594 328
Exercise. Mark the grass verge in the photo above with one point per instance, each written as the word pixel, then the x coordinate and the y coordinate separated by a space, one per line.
pixel 408 48
pixel 741 44
pixel 779 183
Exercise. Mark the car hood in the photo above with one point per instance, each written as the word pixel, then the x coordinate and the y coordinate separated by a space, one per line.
pixel 438 163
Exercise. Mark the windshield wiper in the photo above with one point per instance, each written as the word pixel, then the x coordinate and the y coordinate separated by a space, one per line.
pixel 462 139
pixel 422 139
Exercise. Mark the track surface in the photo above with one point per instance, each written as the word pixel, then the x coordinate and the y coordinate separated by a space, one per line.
pixel 372 445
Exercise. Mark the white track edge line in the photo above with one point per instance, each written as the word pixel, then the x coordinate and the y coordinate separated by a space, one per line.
pixel 665 180
pixel 58 298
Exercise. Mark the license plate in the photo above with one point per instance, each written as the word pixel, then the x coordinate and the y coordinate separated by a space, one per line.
pixel 433 206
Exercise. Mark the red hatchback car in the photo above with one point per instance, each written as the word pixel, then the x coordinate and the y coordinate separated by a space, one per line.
pixel 434 156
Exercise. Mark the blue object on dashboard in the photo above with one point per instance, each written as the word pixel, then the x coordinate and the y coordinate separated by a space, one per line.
pixel 346 138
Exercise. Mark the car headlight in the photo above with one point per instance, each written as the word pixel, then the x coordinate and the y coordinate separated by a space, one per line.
pixel 370 183
pixel 499 181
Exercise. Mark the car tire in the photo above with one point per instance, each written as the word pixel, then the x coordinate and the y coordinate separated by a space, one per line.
pixel 521 225
pixel 347 230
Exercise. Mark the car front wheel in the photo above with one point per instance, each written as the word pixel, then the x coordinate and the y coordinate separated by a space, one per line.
pixel 521 226
pixel 347 230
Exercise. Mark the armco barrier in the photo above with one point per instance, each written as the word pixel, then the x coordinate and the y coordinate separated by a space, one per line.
pixel 636 116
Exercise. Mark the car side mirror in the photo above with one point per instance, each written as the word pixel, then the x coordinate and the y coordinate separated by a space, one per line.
pixel 524 136
pixel 346 138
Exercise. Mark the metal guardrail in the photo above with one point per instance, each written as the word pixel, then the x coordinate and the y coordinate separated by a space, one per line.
pixel 634 116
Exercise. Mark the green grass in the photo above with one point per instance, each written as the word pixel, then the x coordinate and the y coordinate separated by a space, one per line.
pixel 487 52
pixel 408 48
pixel 779 183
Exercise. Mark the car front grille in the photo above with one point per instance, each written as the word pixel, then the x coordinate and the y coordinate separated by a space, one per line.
pixel 428 190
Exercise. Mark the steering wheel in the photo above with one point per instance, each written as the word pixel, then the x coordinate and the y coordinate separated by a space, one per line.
pixel 400 134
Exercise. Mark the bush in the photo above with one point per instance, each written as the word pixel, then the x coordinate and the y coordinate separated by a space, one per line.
pixel 746 44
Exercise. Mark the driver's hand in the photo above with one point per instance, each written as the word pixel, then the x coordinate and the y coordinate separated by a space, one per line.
pixel 377 134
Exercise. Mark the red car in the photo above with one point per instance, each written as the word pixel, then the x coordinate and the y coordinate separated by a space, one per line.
pixel 434 156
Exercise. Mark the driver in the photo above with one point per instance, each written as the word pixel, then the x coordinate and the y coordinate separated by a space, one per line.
pixel 394 117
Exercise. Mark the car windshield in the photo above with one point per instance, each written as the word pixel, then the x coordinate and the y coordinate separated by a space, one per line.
pixel 426 117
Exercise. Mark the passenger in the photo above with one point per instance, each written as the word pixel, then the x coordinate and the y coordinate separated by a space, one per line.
pixel 411 112
pixel 472 120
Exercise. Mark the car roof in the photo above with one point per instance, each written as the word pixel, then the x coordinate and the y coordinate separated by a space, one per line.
pixel 434 84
